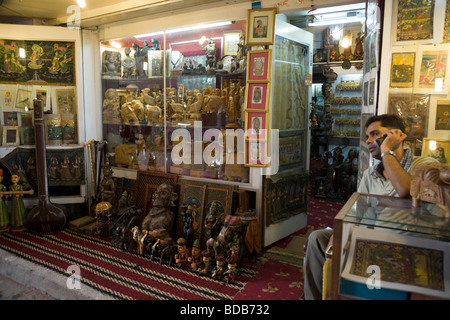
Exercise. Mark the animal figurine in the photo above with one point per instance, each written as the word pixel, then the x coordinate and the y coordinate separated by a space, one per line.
pixel 147 98
pixel 195 108
pixel 179 109
pixel 153 114
pixel 127 114
pixel 137 237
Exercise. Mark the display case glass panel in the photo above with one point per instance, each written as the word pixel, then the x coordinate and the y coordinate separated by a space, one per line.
pixel 172 101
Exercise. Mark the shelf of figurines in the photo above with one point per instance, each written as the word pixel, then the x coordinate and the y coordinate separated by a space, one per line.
pixel 206 123
pixel 123 82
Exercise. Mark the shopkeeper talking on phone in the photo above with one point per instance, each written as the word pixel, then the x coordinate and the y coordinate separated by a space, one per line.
pixel 390 176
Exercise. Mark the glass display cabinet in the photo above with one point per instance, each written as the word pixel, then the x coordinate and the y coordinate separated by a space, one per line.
pixel 168 96
pixel 384 248
pixel 180 101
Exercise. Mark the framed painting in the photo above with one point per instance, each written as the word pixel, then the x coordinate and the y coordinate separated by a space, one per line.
pixel 10 119
pixel 436 148
pixel 402 69
pixel 8 98
pixel 431 71
pixel 414 110
pixel 447 23
pixel 11 136
pixel 230 42
pixel 260 26
pixel 201 198
pixel 442 115
pixel 37 62
pixel 65 100
pixel 258 65
pixel 23 99
pixel 257 97
pixel 256 153
pixel 420 264
pixel 415 20
pixel 256 125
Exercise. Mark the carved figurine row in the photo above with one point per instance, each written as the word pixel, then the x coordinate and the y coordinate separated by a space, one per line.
pixel 133 66
pixel 345 111
pixel 183 105
pixel 345 100
pixel 349 85
pixel 152 238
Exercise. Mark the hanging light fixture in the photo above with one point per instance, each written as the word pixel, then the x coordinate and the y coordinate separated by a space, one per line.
pixel 346 39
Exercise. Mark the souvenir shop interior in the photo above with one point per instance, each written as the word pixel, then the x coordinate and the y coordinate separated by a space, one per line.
pixel 186 149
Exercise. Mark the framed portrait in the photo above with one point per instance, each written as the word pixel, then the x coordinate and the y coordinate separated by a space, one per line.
pixel 256 125
pixel 436 148
pixel 11 136
pixel 258 65
pixel 256 153
pixel 257 97
pixel 431 70
pixel 230 42
pixel 260 26
pixel 442 115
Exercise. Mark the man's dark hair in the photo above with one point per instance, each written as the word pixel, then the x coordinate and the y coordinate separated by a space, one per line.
pixel 390 121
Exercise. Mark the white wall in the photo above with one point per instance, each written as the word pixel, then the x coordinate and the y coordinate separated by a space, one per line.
pixel 389 45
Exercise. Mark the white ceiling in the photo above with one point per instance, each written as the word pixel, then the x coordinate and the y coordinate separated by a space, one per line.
pixel 96 12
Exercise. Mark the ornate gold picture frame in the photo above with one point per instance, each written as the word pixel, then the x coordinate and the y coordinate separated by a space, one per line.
pixel 260 26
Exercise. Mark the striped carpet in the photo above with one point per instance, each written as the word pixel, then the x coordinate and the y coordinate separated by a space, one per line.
pixel 119 274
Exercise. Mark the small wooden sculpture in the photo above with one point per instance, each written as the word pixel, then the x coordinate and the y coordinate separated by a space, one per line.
pixel 183 254
pixel 430 182
pixel 137 237
pixel 160 215
pixel 4 214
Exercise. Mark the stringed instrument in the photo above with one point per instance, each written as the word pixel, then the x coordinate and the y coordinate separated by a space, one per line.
pixel 45 217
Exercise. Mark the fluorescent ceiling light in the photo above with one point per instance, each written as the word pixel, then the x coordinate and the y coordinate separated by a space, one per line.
pixel 203 26
pixel 81 3
pixel 151 34
pixel 337 21
pixel 353 6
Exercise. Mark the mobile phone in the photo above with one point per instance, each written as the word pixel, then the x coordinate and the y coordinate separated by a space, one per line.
pixel 381 139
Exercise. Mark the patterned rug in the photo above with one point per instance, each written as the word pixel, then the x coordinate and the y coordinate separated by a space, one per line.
pixel 119 274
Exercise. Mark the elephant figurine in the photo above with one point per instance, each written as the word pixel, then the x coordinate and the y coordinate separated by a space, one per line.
pixel 132 111
pixel 153 114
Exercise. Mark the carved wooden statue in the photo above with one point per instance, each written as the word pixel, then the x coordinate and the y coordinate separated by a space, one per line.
pixel 430 182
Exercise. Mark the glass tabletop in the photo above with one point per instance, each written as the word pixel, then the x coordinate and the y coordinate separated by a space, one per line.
pixel 398 214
